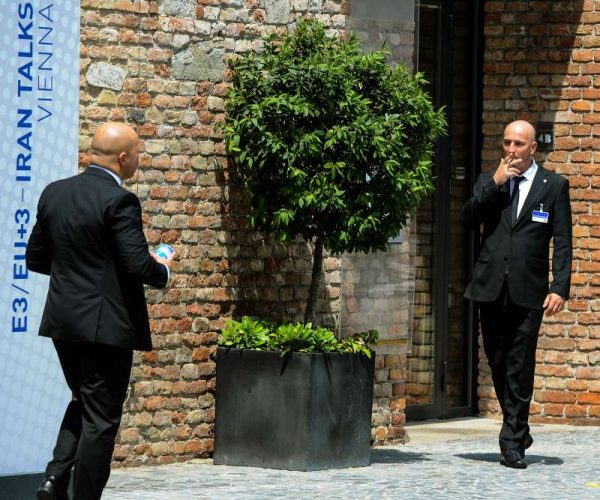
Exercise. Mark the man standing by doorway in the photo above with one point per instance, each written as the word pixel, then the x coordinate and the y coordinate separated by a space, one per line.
pixel 522 207
pixel 88 237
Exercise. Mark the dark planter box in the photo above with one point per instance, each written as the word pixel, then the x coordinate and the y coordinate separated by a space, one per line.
pixel 305 412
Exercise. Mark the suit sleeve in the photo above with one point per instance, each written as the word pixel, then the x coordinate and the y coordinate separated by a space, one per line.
pixel 563 246
pixel 125 222
pixel 38 254
pixel 484 191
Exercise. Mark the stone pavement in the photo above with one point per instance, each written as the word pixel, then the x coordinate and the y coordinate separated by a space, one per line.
pixel 445 460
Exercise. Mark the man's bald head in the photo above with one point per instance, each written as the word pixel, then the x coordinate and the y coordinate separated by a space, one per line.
pixel 115 147
pixel 522 127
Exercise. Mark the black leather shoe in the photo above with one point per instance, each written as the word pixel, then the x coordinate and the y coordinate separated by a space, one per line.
pixel 527 442
pixel 50 489
pixel 513 459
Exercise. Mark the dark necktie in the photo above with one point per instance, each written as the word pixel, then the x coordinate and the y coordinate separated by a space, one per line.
pixel 514 199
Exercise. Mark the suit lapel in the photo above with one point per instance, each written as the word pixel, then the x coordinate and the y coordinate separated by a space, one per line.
pixel 537 187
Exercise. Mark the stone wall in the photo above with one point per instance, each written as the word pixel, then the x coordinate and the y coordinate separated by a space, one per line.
pixel 541 64
pixel 161 66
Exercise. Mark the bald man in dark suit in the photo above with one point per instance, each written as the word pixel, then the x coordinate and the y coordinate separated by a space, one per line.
pixel 88 237
pixel 522 207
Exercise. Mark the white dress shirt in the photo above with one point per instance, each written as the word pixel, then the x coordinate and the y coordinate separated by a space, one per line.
pixel 524 185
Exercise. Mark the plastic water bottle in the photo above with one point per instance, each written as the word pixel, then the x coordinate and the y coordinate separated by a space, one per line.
pixel 163 251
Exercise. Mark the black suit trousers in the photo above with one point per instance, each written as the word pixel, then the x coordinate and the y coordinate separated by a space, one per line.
pixel 98 376
pixel 510 335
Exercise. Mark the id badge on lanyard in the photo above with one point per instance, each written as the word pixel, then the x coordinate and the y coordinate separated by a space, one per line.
pixel 540 215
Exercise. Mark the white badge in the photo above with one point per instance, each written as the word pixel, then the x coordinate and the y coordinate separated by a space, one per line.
pixel 540 215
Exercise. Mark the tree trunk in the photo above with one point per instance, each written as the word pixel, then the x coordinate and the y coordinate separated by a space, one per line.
pixel 315 283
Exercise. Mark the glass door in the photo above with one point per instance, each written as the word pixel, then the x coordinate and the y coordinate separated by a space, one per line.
pixel 441 365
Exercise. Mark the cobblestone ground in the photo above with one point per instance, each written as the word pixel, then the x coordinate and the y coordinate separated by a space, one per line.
pixel 561 466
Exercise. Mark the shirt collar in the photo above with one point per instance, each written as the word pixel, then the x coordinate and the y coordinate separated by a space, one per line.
pixel 529 174
pixel 115 176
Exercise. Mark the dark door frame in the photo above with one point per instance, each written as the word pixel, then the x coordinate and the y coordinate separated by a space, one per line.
pixel 439 408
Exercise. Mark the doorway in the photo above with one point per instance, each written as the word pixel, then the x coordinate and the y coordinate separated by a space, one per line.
pixel 442 366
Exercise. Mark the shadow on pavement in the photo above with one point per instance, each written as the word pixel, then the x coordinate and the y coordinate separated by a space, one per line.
pixel 480 457
pixel 495 458
pixel 379 456
pixel 541 459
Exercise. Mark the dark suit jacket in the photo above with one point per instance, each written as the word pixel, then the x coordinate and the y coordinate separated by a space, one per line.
pixel 521 253
pixel 88 237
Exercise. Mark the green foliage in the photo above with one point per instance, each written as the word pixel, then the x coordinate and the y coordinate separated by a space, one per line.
pixel 246 334
pixel 330 142
pixel 292 337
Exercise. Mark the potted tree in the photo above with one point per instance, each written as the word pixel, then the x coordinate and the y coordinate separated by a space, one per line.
pixel 333 146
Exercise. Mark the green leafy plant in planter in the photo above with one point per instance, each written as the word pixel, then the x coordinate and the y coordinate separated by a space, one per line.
pixel 332 144
pixel 292 337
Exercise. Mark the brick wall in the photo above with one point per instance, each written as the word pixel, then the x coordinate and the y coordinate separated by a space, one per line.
pixel 542 63
pixel 160 65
